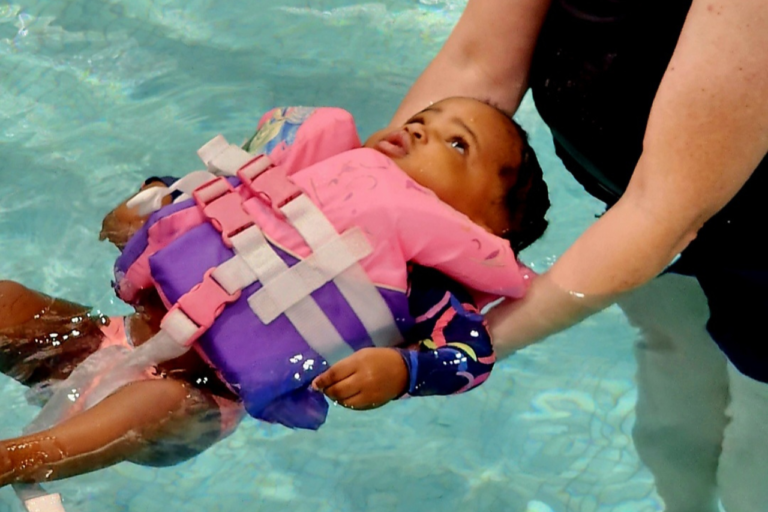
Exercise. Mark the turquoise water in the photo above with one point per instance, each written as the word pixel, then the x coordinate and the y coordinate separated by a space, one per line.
pixel 95 96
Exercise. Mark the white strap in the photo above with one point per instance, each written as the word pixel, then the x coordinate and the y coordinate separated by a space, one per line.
pixel 192 181
pixel 256 252
pixel 369 306
pixel 36 499
pixel 212 148
pixel 309 221
pixel 46 503
pixel 187 187
pixel 318 331
pixel 309 275
pixel 354 284
pixel 234 274
pixel 222 158
pixel 230 161
pixel 219 157
pixel 151 199
pixel 306 316
pixel 178 326
pixel 148 200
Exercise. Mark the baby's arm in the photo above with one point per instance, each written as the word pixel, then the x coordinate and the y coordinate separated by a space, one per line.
pixel 123 426
pixel 456 358
pixel 452 353
pixel 120 224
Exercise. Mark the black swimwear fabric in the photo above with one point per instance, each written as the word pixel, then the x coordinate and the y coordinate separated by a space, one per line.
pixel 165 180
pixel 595 72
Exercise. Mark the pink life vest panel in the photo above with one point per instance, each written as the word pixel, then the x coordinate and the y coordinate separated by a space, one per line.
pixel 323 229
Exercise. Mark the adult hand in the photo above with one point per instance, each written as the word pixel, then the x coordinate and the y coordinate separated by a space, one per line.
pixel 367 379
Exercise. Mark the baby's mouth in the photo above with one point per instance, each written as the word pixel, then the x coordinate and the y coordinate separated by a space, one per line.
pixel 395 145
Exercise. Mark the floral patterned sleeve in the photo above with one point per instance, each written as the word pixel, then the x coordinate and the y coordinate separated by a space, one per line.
pixel 450 348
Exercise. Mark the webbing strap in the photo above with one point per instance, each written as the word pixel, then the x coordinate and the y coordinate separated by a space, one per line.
pixel 369 306
pixel 234 274
pixel 309 221
pixel 151 199
pixel 45 503
pixel 306 316
pixel 353 283
pixel 179 327
pixel 222 158
pixel 308 275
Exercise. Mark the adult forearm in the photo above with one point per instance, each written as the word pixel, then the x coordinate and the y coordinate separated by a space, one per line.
pixel 626 248
pixel 707 131
pixel 487 56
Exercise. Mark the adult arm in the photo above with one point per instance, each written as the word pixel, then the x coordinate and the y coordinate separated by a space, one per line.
pixel 487 56
pixel 707 131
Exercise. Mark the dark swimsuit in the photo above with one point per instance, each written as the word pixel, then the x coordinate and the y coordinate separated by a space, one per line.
pixel 595 72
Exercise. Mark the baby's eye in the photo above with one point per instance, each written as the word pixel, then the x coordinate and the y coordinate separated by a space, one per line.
pixel 459 145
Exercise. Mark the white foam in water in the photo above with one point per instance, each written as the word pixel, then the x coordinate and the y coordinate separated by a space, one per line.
pixel 96 96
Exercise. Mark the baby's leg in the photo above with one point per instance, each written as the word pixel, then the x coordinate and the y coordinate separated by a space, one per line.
pixel 128 425
pixel 42 338
pixel 156 422
pixel 19 305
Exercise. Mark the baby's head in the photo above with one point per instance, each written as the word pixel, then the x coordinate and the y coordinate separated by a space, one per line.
pixel 476 159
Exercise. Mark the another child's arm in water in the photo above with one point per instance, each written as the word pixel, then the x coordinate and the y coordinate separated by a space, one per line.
pixel 120 224
pixel 453 351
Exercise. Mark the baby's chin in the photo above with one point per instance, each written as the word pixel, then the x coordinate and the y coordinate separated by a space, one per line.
pixel 399 158
pixel 375 137
pixel 393 151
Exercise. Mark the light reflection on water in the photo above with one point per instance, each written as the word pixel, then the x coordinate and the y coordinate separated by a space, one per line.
pixel 96 96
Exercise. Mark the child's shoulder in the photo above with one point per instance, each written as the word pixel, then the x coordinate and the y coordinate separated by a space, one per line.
pixel 428 286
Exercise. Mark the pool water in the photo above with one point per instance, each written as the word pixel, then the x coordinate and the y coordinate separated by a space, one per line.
pixel 96 96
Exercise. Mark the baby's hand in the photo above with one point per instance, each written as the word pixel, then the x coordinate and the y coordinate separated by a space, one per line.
pixel 120 224
pixel 367 379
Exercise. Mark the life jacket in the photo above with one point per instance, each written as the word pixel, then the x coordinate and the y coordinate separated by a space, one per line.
pixel 299 258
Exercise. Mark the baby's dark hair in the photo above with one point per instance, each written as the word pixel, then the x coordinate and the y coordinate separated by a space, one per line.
pixel 527 200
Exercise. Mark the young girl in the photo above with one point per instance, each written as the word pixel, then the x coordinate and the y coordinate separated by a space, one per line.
pixel 467 153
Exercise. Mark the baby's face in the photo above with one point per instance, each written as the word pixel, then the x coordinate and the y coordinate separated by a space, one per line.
pixel 457 148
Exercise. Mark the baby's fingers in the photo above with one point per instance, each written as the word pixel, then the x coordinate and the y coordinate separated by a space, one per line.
pixel 332 375
pixel 343 391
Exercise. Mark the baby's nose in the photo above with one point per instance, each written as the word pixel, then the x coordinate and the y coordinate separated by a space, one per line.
pixel 418 132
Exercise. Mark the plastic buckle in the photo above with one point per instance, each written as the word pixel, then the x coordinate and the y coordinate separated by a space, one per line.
pixel 209 192
pixel 270 184
pixel 204 303
pixel 222 205
pixel 253 168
